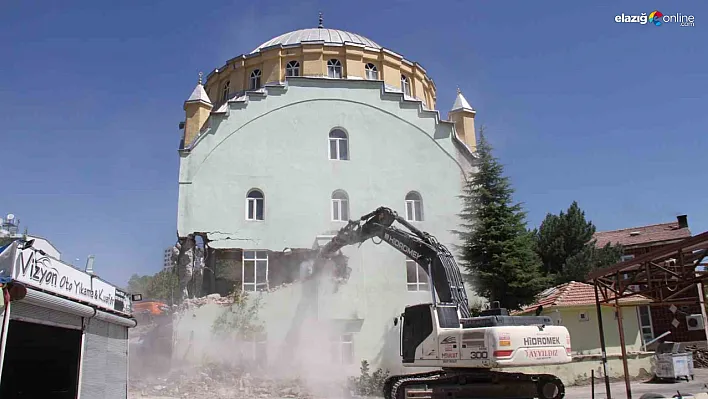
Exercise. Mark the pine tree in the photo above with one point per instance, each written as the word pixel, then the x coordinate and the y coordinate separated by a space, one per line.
pixel 566 246
pixel 497 250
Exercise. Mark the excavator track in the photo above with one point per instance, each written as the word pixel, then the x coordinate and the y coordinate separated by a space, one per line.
pixel 464 384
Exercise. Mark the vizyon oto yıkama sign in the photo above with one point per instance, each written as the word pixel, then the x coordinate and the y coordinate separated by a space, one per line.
pixel 35 269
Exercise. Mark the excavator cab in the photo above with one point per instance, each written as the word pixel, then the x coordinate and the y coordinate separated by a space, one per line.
pixel 416 326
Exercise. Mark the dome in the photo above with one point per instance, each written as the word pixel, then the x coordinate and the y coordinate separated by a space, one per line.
pixel 314 35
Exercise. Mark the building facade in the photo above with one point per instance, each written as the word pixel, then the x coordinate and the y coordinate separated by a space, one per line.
pixel 656 320
pixel 284 145
pixel 168 260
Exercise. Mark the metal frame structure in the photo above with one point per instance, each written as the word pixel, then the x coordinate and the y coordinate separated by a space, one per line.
pixel 672 268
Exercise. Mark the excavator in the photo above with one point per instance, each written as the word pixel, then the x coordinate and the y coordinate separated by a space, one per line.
pixel 443 334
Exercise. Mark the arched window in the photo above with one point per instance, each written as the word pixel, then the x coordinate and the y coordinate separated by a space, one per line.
pixel 338 145
pixel 334 69
pixel 406 85
pixel 256 79
pixel 414 207
pixel 292 69
pixel 371 72
pixel 225 91
pixel 255 205
pixel 340 206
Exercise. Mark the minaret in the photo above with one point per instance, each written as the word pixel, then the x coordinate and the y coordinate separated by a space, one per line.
pixel 462 114
pixel 198 108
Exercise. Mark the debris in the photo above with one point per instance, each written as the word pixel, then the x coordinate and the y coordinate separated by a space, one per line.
pixel 215 381
pixel 192 303
pixel 700 356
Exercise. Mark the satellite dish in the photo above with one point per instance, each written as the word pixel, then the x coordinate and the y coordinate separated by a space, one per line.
pixel 10 216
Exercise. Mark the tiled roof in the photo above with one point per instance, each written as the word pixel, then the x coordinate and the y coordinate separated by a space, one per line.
pixel 643 234
pixel 573 294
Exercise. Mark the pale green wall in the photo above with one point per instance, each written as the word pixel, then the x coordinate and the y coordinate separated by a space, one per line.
pixel 279 143
pixel 585 335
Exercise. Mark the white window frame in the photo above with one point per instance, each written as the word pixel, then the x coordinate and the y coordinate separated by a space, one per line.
pixel 372 73
pixel 255 79
pixel 334 69
pixel 338 145
pixel 292 68
pixel 412 214
pixel 254 343
pixel 339 204
pixel 406 85
pixel 343 342
pixel 226 91
pixel 258 255
pixel 417 285
pixel 641 326
pixel 251 200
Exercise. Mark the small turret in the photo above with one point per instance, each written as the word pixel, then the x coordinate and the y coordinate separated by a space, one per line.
pixel 462 114
pixel 198 108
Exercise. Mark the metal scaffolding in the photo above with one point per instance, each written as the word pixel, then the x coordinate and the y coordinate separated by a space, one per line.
pixel 667 276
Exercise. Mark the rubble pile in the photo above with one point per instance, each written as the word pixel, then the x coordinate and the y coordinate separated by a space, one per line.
pixel 191 303
pixel 700 356
pixel 216 382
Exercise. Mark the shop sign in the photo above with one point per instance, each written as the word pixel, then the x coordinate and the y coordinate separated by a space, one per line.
pixel 40 271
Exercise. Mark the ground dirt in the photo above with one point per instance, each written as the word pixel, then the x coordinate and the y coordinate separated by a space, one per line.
pixel 639 388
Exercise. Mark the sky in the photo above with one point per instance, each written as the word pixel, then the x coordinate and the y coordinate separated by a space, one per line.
pixel 577 106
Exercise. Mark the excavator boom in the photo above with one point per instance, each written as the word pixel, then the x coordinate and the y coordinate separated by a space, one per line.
pixel 419 246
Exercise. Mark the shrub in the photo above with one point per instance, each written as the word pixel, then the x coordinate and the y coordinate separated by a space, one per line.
pixel 368 384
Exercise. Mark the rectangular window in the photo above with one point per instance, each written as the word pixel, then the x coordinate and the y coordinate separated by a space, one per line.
pixel 338 149
pixel 334 71
pixel 256 208
pixel 254 348
pixel 644 314
pixel 342 349
pixel 416 277
pixel 340 210
pixel 255 271
pixel 414 210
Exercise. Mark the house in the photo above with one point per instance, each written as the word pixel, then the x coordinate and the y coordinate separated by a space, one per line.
pixel 656 320
pixel 285 144
pixel 573 305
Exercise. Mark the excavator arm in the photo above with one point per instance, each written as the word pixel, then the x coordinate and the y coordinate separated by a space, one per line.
pixel 423 248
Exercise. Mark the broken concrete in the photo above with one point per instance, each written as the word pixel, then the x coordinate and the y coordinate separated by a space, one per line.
pixel 189 260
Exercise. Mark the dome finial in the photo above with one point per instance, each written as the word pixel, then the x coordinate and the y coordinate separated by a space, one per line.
pixel 459 91
pixel 200 77
pixel 320 25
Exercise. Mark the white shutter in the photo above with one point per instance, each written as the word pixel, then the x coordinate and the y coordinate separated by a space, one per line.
pixel 28 312
pixel 104 371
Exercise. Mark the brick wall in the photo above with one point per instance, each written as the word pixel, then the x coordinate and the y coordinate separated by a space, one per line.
pixel 661 316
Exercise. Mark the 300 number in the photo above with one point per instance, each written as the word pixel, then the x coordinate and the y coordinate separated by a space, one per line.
pixel 479 355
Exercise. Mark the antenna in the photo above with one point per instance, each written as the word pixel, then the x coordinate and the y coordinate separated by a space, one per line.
pixel 89 264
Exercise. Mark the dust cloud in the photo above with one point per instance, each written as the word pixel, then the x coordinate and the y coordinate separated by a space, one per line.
pixel 300 361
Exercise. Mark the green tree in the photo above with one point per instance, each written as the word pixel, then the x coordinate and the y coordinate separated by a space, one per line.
pixel 497 249
pixel 566 246
pixel 164 286
pixel 138 284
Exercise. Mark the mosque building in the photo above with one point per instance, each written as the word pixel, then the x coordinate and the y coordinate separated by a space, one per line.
pixel 281 147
